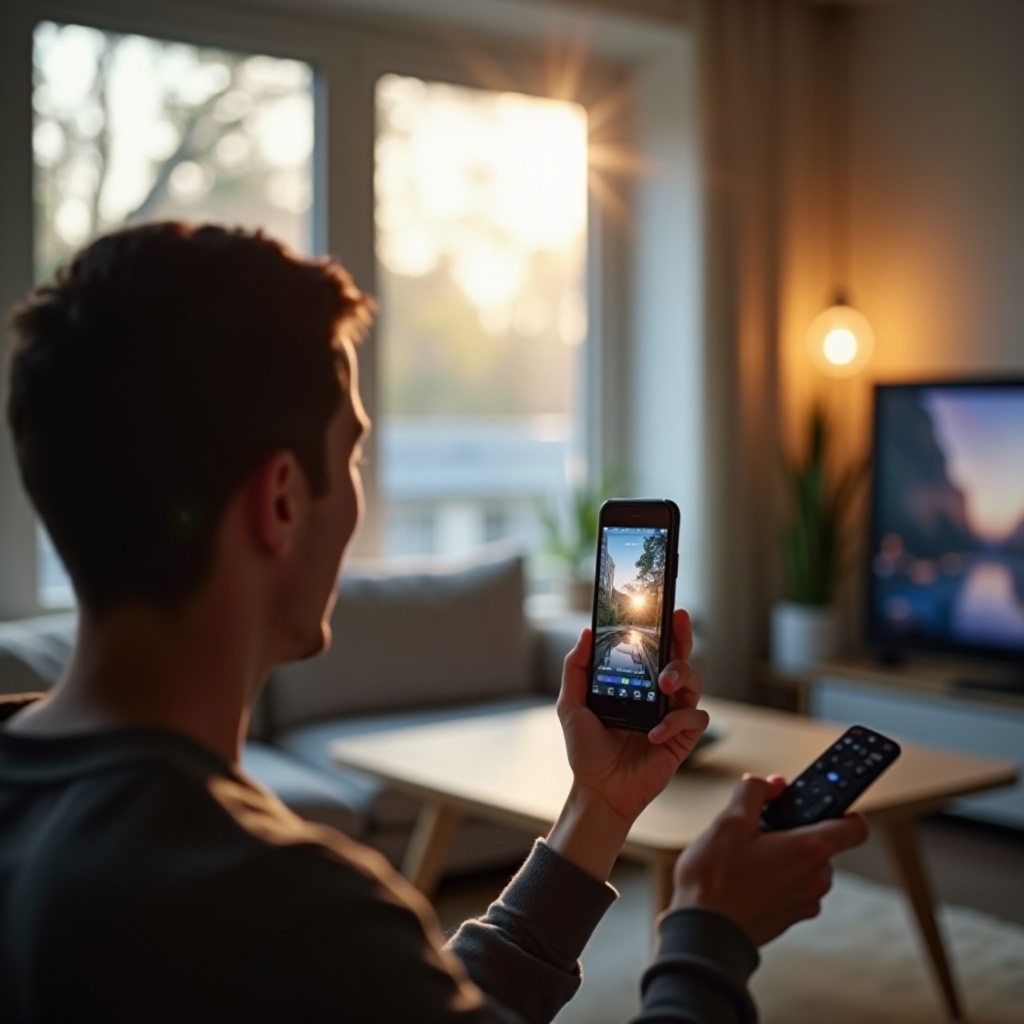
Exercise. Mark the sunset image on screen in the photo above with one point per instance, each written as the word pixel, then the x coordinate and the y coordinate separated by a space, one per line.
pixel 949 560
pixel 630 594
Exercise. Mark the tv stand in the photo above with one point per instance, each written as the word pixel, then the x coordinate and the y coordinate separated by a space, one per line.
pixel 960 706
pixel 1012 685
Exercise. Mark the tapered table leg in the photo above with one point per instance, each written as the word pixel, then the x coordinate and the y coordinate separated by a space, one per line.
pixel 905 853
pixel 428 846
pixel 659 874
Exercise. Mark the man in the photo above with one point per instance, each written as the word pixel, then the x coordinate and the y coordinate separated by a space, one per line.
pixel 185 409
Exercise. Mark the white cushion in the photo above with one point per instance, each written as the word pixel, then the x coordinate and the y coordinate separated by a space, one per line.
pixel 437 633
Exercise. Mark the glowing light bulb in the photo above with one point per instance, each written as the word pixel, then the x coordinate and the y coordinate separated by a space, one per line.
pixel 840 346
pixel 840 341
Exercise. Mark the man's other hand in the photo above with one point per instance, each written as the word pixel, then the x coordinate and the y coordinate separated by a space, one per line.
pixel 764 881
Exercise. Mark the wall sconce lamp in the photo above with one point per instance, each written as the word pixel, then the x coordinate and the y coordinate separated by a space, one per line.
pixel 840 340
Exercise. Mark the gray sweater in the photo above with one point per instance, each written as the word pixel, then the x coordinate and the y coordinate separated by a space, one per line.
pixel 143 879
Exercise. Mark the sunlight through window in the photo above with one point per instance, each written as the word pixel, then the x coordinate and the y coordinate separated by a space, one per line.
pixel 129 129
pixel 481 217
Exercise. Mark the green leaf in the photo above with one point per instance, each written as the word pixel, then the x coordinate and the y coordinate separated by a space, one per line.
pixel 813 537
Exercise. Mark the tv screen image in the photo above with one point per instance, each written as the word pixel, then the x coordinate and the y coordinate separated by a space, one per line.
pixel 947 536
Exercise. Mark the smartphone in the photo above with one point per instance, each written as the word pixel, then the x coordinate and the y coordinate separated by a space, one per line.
pixel 634 597
pixel 828 786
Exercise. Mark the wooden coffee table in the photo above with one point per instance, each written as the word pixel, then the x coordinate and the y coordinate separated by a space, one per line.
pixel 510 767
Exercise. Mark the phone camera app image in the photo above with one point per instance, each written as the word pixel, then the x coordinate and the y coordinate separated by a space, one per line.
pixel 628 612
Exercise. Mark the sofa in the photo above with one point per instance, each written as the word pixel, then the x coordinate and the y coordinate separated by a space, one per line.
pixel 411 642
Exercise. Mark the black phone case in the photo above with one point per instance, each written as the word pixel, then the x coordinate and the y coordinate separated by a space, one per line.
pixel 829 786
pixel 640 714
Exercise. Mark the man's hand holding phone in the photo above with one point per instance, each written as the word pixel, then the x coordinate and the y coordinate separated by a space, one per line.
pixel 618 772
pixel 631 768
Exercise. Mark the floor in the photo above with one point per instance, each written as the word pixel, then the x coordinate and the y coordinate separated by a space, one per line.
pixel 972 864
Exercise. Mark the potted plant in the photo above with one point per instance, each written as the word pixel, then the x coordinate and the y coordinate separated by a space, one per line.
pixel 570 537
pixel 815 550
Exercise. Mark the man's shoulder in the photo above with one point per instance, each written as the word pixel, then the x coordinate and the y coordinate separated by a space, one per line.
pixel 155 805
pixel 163 833
pixel 206 805
pixel 171 874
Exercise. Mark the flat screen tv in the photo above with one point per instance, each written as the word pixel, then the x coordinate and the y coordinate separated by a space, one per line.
pixel 947 521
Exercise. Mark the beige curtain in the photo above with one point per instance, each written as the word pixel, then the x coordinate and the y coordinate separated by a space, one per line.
pixel 740 56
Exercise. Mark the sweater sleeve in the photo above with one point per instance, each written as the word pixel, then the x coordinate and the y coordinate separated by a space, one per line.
pixel 524 952
pixel 700 972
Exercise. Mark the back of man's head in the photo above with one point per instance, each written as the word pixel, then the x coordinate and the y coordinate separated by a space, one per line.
pixel 151 377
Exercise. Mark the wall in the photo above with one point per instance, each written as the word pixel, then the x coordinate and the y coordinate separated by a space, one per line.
pixel 936 147
pixel 937 138
pixel 935 259
pixel 667 440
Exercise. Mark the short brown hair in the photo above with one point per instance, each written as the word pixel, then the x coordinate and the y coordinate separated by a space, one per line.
pixel 157 370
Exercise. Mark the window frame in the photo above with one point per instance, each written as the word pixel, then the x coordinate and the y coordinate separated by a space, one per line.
pixel 348 55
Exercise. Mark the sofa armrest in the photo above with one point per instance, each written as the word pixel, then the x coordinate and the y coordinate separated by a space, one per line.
pixel 33 651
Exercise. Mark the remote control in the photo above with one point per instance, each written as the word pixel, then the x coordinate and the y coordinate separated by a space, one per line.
pixel 831 784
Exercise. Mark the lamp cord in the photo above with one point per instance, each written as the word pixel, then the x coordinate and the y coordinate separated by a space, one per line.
pixel 839 50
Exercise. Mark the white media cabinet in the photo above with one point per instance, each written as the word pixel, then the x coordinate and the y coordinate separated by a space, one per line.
pixel 918 701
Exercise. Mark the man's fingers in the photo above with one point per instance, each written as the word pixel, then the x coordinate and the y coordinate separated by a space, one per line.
pixel 750 796
pixel 684 683
pixel 574 673
pixel 691 720
pixel 682 635
pixel 842 833
pixel 579 656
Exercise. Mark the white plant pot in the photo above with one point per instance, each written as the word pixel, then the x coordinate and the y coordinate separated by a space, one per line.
pixel 802 635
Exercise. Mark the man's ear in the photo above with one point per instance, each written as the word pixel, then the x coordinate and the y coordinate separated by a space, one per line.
pixel 278 497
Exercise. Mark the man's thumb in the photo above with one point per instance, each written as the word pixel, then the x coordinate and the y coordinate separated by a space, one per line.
pixel 753 792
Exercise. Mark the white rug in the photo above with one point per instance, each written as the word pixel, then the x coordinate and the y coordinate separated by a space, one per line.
pixel 859 963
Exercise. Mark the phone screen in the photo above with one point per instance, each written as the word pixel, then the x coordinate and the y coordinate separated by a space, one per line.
pixel 629 594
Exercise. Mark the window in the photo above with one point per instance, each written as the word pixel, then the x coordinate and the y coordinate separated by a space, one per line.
pixel 496 524
pixel 128 128
pixel 481 221
pixel 410 529
pixel 503 324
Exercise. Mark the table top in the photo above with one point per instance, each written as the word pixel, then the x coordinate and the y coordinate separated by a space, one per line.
pixel 511 767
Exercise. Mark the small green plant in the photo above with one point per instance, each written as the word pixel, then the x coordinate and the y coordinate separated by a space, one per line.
pixel 815 542
pixel 570 531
